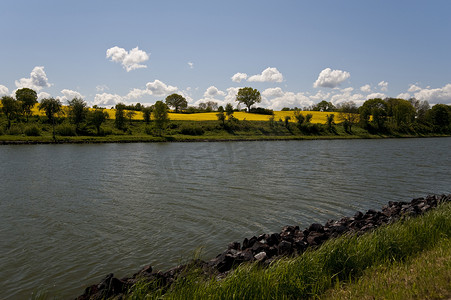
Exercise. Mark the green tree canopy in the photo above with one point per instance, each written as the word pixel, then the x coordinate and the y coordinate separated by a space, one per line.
pixel 97 117
pixel 160 116
pixel 248 96
pixel 400 111
pixel 377 108
pixel 324 106
pixel 119 121
pixel 78 111
pixel 28 98
pixel 348 114
pixel 51 107
pixel 11 108
pixel 177 101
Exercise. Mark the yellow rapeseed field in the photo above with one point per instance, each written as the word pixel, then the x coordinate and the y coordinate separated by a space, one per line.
pixel 318 117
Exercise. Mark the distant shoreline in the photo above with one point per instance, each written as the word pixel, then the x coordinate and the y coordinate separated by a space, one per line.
pixel 168 139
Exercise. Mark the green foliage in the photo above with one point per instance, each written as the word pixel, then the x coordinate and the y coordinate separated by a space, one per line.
pixel 248 96
pixel 147 111
pixel 400 111
pixel 32 130
pixel 97 118
pixel 78 110
pixel 11 109
pixel 440 116
pixel 192 130
pixel 51 107
pixel 66 130
pixel 160 115
pixel 349 115
pixel 229 109
pixel 221 118
pixel 119 121
pixel 262 111
pixel 28 98
pixel 377 109
pixel 16 129
pixel 177 101
pixel 330 123
pixel 324 106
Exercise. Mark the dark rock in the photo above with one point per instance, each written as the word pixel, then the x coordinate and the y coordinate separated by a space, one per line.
pixel 285 248
pixel 358 215
pixel 249 243
pixel 234 246
pixel 261 256
pixel 273 239
pixel 316 227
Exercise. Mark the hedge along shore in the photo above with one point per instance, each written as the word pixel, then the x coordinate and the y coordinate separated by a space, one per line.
pixel 268 247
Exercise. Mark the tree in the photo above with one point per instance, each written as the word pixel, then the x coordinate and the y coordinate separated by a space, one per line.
pixel 440 116
pixel 324 106
pixel 330 122
pixel 97 117
pixel 147 111
pixel 248 96
pixel 119 122
pixel 10 108
pixel 29 98
pixel 221 117
pixel 160 115
pixel 400 111
pixel 130 115
pixel 78 111
pixel 229 109
pixel 349 115
pixel 51 107
pixel 177 101
pixel 375 108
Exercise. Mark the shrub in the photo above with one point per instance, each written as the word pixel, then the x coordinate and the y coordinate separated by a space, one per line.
pixel 32 130
pixel 192 130
pixel 262 111
pixel 15 130
pixel 66 130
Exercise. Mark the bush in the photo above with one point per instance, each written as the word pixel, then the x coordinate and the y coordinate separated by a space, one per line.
pixel 66 130
pixel 192 130
pixel 262 111
pixel 15 130
pixel 32 130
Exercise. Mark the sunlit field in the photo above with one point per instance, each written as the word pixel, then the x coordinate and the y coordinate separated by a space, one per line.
pixel 318 117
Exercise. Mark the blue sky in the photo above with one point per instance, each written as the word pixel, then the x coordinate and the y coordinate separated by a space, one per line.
pixel 296 53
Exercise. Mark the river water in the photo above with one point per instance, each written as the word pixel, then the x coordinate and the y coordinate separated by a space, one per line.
pixel 70 214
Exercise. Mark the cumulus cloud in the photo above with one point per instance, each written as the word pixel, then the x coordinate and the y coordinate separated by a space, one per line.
pixel 37 80
pixel 439 95
pixel 268 75
pixel 273 92
pixel 289 99
pixel 383 85
pixel 403 96
pixel 69 95
pixel 106 99
pixel 137 93
pixel 366 88
pixel 331 78
pixel 130 60
pixel 212 92
pixel 238 77
pixel 191 65
pixel 414 88
pixel 43 95
pixel 158 88
pixel 376 95
pixel 346 95
pixel 3 90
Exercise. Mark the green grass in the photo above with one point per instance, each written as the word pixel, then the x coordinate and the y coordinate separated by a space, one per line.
pixel 337 262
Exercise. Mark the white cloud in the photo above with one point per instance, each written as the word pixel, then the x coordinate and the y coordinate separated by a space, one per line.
pixel 331 78
pixel 191 65
pixel 414 88
pixel 37 81
pixel 212 92
pixel 405 96
pixel 268 75
pixel 273 92
pixel 130 60
pixel 137 93
pixel 440 95
pixel 346 95
pixel 69 95
pixel 3 90
pixel 106 99
pixel 289 99
pixel 383 85
pixel 366 88
pixel 43 95
pixel 158 88
pixel 238 77
pixel 376 95
pixel 320 96
pixel 102 88
pixel 231 94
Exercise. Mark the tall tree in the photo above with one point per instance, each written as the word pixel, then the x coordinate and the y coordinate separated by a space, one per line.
pixel 78 111
pixel 248 96
pixel 160 116
pixel 147 111
pixel 10 108
pixel 348 114
pixel 119 122
pixel 28 98
pixel 375 108
pixel 97 117
pixel 400 111
pixel 51 107
pixel 324 106
pixel 177 101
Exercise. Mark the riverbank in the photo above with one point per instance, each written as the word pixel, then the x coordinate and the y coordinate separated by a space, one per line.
pixel 261 271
